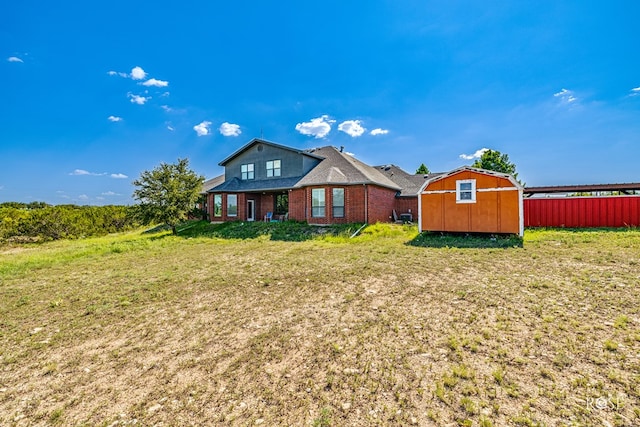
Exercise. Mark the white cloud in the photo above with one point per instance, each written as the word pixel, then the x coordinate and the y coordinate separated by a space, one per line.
pixel 379 131
pixel 202 129
pixel 138 73
pixel 170 128
pixel 475 155
pixel 114 119
pixel 352 128
pixel 83 197
pixel 166 108
pixel 230 129
pixel 137 99
pixel 80 172
pixel 115 73
pixel 14 59
pixel 566 96
pixel 635 91
pixel 156 83
pixel 318 127
pixel 110 193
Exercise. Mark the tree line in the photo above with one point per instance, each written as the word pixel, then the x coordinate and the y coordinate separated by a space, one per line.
pixel 38 221
pixel 166 195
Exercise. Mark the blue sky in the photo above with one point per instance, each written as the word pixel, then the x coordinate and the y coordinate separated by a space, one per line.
pixel 94 93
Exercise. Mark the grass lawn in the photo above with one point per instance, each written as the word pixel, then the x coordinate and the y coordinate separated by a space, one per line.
pixel 387 328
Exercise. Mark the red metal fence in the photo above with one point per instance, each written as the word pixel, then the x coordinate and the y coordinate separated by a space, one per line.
pixel 579 212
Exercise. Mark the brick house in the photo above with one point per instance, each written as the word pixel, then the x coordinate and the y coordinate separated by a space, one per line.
pixel 320 186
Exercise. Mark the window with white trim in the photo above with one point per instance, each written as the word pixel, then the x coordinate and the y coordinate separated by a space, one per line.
pixel 217 205
pixel 232 205
pixel 247 171
pixel 466 191
pixel 317 202
pixel 273 168
pixel 338 202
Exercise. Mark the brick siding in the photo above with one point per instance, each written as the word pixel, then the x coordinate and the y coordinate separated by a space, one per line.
pixel 407 205
pixel 379 201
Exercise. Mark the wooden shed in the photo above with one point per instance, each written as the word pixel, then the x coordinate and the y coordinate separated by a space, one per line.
pixel 471 200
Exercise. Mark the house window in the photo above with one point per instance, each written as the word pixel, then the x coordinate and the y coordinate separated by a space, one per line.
pixel 317 202
pixel 466 191
pixel 338 202
pixel 232 205
pixel 273 168
pixel 247 171
pixel 217 205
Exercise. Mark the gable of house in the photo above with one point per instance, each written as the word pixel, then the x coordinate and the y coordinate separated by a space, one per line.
pixel 267 162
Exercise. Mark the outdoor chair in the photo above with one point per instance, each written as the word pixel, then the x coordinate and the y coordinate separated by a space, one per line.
pixel 396 219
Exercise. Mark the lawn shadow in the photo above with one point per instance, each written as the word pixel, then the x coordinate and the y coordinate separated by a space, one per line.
pixel 287 231
pixel 157 229
pixel 466 240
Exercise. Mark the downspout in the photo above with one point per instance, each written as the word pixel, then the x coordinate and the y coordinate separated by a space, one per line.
pixel 358 231
pixel 366 204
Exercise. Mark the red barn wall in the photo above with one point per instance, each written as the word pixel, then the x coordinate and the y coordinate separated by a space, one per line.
pixel 582 212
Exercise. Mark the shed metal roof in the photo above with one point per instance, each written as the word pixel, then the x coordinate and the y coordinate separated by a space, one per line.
pixel 477 170
pixel 587 188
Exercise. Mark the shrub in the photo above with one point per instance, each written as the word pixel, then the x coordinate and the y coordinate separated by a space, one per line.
pixel 64 221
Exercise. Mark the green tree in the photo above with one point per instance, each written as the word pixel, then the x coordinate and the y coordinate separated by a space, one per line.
pixel 423 170
pixel 494 160
pixel 168 193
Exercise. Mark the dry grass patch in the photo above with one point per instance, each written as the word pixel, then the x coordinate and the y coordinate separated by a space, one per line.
pixel 149 329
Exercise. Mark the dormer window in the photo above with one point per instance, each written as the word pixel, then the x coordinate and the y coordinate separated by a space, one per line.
pixel 273 168
pixel 247 171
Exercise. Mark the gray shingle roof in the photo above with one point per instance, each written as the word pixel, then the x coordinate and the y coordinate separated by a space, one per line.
pixel 342 169
pixel 213 182
pixel 409 183
pixel 250 185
